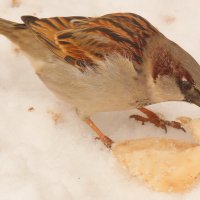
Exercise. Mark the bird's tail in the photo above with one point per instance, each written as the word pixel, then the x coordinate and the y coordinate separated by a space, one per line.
pixel 6 26
pixel 9 28
pixel 23 37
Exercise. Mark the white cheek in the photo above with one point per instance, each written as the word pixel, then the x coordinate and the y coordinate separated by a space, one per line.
pixel 165 89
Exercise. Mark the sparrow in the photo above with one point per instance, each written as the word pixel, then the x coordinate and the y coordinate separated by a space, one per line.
pixel 114 62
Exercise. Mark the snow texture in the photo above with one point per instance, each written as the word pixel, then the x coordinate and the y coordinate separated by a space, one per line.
pixel 46 151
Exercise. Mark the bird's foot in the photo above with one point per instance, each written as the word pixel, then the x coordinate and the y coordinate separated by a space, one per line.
pixel 156 120
pixel 104 139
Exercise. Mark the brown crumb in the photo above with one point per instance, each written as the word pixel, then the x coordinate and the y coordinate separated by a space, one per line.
pixel 31 109
pixel 169 19
pixel 56 117
pixel 15 3
pixel 16 50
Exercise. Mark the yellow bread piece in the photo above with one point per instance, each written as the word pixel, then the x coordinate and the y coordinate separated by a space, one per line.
pixel 165 165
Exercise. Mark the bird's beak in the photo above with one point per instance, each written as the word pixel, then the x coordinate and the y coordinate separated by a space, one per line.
pixel 193 96
pixel 196 102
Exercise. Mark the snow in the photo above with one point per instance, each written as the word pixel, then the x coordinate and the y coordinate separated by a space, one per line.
pixel 48 153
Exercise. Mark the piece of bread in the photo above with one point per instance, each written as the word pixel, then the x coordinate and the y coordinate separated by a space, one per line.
pixel 165 165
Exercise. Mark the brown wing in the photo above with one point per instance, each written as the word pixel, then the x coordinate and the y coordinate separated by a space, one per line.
pixel 82 41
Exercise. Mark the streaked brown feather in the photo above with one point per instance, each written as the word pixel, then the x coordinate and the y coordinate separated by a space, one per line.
pixel 83 41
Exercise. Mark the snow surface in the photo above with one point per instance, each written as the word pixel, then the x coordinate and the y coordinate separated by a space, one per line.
pixel 47 152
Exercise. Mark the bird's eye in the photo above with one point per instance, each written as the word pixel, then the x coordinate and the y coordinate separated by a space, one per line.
pixel 185 85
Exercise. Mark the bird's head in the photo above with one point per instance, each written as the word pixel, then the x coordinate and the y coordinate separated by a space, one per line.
pixel 176 75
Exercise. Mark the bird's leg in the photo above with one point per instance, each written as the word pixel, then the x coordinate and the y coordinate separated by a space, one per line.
pixel 106 140
pixel 156 120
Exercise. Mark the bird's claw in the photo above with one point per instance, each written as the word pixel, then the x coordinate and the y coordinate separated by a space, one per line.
pixel 156 120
